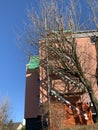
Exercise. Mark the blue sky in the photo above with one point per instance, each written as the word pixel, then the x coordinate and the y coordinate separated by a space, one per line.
pixel 13 59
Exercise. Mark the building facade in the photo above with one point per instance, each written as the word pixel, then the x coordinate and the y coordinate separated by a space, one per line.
pixel 49 104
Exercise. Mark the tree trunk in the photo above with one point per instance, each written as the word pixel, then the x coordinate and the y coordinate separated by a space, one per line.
pixel 96 48
pixel 93 100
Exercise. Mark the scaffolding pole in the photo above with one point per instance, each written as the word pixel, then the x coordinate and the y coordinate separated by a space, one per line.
pixel 48 77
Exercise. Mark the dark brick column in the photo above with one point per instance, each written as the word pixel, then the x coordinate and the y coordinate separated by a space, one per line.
pixel 32 106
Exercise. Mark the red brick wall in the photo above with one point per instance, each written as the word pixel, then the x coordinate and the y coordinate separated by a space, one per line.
pixel 32 94
pixel 87 54
pixel 62 116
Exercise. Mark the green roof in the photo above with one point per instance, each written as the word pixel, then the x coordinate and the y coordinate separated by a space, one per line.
pixel 33 62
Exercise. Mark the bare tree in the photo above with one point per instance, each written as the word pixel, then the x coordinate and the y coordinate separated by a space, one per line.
pixel 5 122
pixel 55 24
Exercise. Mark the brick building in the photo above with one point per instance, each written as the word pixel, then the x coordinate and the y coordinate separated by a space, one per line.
pixel 65 116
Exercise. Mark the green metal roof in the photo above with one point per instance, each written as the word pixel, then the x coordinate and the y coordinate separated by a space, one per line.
pixel 33 62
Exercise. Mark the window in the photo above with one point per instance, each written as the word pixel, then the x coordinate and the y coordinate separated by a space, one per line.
pixel 38 81
pixel 93 39
pixel 38 101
